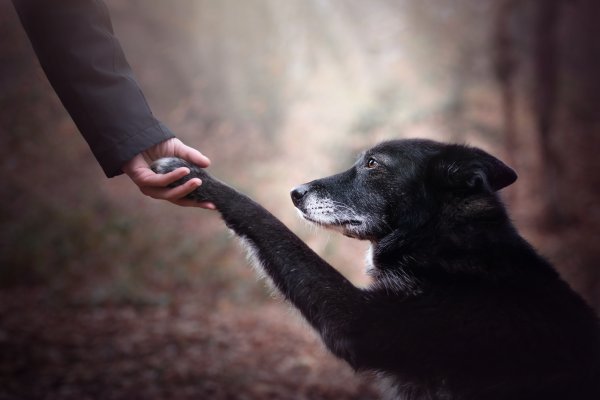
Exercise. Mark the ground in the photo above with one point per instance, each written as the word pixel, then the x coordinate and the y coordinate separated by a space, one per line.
pixel 183 350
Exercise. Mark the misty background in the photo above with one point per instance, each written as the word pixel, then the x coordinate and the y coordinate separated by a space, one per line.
pixel 105 292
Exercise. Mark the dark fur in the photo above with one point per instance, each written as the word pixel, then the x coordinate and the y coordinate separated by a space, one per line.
pixel 461 306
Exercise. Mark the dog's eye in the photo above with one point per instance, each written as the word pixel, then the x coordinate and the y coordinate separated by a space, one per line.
pixel 372 163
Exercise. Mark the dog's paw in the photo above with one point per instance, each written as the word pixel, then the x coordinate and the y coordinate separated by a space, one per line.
pixel 168 164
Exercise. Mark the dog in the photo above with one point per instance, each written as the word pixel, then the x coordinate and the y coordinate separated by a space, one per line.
pixel 461 306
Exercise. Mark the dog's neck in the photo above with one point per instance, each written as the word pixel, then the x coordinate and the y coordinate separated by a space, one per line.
pixel 472 229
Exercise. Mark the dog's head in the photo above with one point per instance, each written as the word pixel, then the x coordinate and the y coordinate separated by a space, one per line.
pixel 400 185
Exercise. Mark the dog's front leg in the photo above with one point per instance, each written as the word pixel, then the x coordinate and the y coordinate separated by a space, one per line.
pixel 326 299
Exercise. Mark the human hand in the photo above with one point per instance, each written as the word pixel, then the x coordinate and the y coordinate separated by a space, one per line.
pixel 155 185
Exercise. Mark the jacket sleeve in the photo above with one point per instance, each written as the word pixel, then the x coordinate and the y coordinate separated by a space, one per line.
pixel 84 62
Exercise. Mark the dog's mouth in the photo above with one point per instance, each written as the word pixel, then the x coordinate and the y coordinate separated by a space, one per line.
pixel 333 223
pixel 331 214
pixel 350 227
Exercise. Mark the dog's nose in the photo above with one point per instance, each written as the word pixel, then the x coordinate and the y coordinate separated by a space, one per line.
pixel 298 193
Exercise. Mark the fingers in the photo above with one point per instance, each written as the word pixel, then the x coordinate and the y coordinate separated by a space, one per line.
pixel 177 195
pixel 144 177
pixel 190 154
pixel 194 203
pixel 206 205
pixel 171 194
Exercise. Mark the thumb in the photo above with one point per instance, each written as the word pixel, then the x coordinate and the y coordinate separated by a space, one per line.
pixel 192 155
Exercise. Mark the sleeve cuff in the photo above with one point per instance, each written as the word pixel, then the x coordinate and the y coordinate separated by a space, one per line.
pixel 112 159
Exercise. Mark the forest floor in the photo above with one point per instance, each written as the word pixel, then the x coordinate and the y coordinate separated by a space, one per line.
pixel 188 349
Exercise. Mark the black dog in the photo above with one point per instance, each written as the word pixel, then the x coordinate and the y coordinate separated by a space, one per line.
pixel 461 306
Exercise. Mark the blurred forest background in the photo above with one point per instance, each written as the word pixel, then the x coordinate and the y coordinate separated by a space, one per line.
pixel 105 293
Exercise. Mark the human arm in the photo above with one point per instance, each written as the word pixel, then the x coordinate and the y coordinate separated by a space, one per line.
pixel 85 64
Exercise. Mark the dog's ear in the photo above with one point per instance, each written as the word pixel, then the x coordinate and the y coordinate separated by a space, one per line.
pixel 465 168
